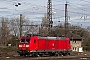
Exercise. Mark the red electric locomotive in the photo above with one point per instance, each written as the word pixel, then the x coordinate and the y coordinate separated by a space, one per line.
pixel 39 46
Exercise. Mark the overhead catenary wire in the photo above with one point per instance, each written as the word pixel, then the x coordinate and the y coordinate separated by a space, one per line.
pixel 63 10
pixel 70 4
pixel 85 1
pixel 39 6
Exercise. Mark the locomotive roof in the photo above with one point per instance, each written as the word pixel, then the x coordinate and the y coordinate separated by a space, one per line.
pixel 48 38
pixel 55 38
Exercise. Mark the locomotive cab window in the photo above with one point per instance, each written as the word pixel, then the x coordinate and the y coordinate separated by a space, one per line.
pixel 27 41
pixel 34 41
pixel 22 41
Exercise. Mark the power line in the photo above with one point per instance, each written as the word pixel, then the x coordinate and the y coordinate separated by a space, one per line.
pixel 72 11
pixel 64 1
pixel 38 5
pixel 56 9
pixel 81 4
pixel 58 4
pixel 85 1
pixel 77 7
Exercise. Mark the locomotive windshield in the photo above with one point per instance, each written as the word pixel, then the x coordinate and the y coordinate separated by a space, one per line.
pixel 28 40
pixel 24 41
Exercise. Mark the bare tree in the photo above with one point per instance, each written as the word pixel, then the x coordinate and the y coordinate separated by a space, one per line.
pixel 44 31
pixel 4 31
pixel 14 26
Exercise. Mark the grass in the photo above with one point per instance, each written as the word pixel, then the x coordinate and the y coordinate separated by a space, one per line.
pixel 8 49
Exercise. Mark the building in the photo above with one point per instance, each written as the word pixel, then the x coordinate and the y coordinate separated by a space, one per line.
pixel 76 44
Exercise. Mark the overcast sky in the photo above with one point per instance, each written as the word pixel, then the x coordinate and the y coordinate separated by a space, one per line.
pixel 78 10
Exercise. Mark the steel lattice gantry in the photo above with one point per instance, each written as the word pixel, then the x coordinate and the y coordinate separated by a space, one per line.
pixel 49 14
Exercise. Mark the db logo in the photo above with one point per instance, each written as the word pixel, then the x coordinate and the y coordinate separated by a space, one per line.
pixel 53 44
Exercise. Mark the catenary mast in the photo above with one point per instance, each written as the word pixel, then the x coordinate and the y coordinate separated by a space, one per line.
pixel 49 15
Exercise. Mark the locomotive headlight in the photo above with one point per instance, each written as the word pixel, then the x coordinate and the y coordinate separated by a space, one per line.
pixel 27 45
pixel 20 45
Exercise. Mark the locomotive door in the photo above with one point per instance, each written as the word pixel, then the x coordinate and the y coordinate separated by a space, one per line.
pixel 35 44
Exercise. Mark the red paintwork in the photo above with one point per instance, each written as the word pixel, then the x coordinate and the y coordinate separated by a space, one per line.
pixel 45 43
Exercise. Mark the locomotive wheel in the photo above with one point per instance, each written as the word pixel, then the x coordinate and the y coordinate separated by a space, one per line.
pixel 21 54
pixel 24 55
pixel 68 54
pixel 52 54
pixel 56 54
pixel 41 55
pixel 34 55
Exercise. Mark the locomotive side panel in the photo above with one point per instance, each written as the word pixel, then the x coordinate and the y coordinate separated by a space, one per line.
pixel 69 45
pixel 64 42
pixel 34 44
pixel 51 45
pixel 60 45
pixel 63 45
pixel 42 44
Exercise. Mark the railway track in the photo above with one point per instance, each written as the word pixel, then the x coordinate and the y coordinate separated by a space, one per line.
pixel 47 58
